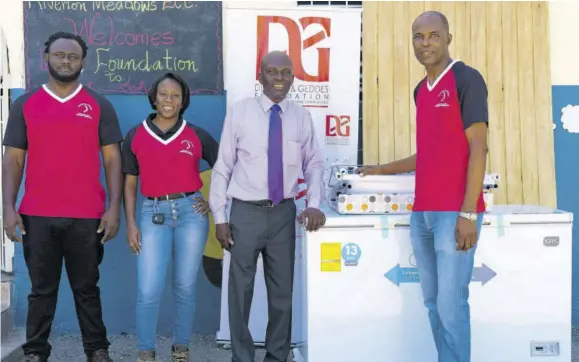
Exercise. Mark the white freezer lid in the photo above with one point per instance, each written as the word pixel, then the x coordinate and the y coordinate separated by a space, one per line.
pixel 336 220
pixel 527 214
pixel 499 215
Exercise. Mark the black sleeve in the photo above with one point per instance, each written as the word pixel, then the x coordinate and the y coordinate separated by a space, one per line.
pixel 416 90
pixel 130 163
pixel 209 145
pixel 109 129
pixel 473 96
pixel 15 135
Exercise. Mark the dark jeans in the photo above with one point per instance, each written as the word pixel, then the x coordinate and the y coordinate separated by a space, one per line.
pixel 47 242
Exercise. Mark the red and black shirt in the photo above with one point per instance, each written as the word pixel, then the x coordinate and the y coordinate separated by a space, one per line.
pixel 63 139
pixel 167 162
pixel 444 110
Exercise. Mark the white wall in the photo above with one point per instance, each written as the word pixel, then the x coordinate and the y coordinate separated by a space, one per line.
pixel 564 23
pixel 11 20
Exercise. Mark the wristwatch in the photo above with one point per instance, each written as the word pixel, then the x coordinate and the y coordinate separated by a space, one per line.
pixel 472 216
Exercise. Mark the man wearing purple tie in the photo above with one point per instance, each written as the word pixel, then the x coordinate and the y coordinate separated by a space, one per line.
pixel 266 143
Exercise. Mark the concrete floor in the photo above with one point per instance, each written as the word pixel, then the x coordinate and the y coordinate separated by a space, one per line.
pixel 67 348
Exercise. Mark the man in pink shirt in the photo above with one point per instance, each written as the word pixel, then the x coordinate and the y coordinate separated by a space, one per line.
pixel 266 143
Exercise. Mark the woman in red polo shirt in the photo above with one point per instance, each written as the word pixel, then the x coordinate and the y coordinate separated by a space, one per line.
pixel 164 152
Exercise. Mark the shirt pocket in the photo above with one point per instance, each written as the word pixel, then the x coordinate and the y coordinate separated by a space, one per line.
pixel 292 154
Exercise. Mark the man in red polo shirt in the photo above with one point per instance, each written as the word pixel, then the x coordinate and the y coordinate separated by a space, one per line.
pixel 62 129
pixel 450 159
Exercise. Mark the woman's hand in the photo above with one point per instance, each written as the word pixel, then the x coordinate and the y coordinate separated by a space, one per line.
pixel 134 237
pixel 201 207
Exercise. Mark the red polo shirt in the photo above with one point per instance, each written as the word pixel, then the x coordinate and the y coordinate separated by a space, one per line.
pixel 444 110
pixel 63 139
pixel 167 162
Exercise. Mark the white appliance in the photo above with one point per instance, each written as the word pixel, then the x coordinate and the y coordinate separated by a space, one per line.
pixel 363 300
pixel 7 246
pixel 352 194
pixel 258 316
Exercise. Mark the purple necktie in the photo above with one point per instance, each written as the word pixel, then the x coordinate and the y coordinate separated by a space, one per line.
pixel 275 157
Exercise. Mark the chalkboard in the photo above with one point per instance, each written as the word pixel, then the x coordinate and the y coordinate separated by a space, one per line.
pixel 131 43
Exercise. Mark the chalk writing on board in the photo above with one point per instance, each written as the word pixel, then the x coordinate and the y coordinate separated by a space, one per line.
pixel 131 43
pixel 112 5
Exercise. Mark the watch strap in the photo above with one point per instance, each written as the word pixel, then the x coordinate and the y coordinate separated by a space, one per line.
pixel 472 216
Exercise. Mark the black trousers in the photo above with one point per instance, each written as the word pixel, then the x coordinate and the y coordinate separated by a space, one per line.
pixel 49 241
pixel 270 232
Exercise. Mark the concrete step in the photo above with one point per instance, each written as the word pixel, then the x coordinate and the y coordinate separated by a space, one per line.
pixel 6 288
pixel 12 339
pixel 7 322
pixel 5 295
pixel 11 349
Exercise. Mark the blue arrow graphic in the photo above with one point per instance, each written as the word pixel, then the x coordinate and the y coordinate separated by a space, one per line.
pixel 399 275
pixel 482 274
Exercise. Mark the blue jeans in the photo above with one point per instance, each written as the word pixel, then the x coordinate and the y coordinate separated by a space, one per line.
pixel 445 274
pixel 183 236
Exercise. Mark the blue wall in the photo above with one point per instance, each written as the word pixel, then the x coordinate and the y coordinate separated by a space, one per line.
pixel 567 175
pixel 118 270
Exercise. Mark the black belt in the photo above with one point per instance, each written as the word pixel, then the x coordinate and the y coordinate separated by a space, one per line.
pixel 264 203
pixel 171 196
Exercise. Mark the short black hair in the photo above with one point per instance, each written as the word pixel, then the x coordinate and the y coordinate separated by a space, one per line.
pixel 152 94
pixel 65 35
pixel 440 15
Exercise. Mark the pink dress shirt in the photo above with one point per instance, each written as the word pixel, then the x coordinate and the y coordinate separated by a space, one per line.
pixel 241 168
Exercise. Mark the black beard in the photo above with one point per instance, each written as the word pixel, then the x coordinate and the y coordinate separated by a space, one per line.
pixel 63 78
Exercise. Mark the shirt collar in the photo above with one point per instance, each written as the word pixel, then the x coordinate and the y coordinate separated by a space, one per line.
pixel 266 103
pixel 153 127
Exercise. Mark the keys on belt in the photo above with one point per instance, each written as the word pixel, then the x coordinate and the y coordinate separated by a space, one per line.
pixel 171 196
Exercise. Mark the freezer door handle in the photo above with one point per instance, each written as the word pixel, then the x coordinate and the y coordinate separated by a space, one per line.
pixel 537 222
pixel 405 225
pixel 507 223
pixel 349 227
pixel 366 226
pixel 397 225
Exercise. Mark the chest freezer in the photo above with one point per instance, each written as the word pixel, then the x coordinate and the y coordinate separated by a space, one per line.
pixel 363 300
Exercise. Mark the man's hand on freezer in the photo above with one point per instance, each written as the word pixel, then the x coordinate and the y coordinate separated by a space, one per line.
pixel 369 170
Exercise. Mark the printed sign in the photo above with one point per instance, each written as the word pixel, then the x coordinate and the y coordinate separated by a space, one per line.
pixel 330 258
pixel 337 130
pixel 326 75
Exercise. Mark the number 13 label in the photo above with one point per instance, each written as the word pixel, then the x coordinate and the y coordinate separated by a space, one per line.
pixel 351 254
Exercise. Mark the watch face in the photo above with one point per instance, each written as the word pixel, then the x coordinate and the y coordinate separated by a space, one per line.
pixel 469 216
